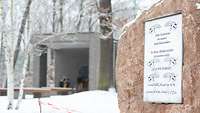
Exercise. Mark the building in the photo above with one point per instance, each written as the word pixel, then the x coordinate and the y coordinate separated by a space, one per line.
pixel 62 55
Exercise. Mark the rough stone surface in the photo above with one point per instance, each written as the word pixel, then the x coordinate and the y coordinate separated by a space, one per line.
pixel 131 54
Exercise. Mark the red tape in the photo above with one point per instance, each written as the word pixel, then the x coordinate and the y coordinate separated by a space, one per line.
pixel 53 106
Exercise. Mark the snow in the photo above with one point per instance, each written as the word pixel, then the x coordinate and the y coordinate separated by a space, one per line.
pixel 84 102
pixel 146 4
pixel 198 5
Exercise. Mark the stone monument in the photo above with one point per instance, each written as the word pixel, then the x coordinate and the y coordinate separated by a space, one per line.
pixel 130 61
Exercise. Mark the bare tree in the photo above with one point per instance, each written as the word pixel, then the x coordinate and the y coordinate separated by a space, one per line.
pixel 54 16
pixel 2 51
pixel 80 15
pixel 135 8
pixel 61 15
pixel 21 31
pixel 24 71
pixel 8 55
pixel 11 57
pixel 90 23
pixel 105 16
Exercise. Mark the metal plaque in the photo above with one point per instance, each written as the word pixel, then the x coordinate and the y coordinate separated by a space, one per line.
pixel 163 60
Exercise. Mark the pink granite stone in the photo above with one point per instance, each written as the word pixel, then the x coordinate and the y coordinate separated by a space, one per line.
pixel 130 61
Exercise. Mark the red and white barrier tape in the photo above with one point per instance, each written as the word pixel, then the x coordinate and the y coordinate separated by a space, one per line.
pixel 59 108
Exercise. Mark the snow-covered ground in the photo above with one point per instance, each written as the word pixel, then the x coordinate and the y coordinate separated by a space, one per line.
pixel 84 102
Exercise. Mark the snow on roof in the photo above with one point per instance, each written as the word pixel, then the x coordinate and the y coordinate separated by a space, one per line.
pixel 40 38
pixel 64 40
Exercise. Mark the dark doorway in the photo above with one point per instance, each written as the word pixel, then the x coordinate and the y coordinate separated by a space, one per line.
pixel 43 70
pixel 72 63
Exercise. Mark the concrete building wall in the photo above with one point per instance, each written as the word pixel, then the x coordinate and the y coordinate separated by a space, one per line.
pixel 94 63
pixel 50 68
pixel 35 70
pixel 68 62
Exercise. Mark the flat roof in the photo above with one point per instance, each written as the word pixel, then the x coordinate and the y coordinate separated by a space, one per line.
pixel 64 40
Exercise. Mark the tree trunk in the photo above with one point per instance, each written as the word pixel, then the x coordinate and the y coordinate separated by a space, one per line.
pixel 8 56
pixel 3 72
pixel 2 62
pixel 21 31
pixel 54 16
pixel 24 71
pixel 80 16
pixel 106 66
pixel 134 9
pixel 61 15
pixel 90 23
pixel 10 74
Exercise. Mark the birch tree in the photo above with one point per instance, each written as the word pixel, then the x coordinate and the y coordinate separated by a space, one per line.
pixel 21 31
pixel 8 55
pixel 24 71
pixel 2 50
pixel 17 49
